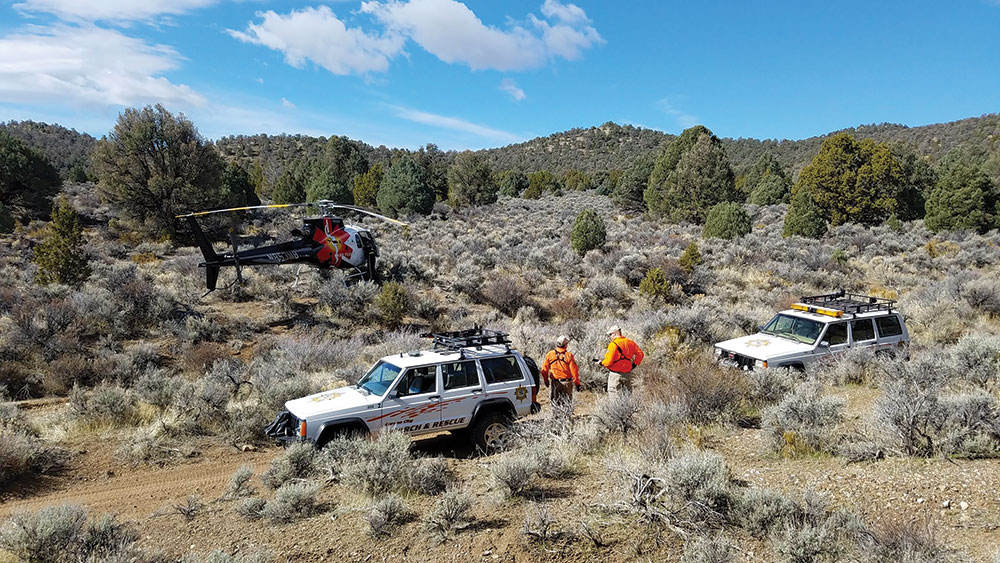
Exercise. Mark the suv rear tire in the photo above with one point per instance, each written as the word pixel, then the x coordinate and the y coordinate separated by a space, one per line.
pixel 490 431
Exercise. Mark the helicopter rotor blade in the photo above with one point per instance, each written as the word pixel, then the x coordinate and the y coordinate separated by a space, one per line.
pixel 248 207
pixel 363 211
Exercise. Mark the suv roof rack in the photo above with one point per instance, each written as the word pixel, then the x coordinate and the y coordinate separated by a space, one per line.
pixel 844 302
pixel 477 337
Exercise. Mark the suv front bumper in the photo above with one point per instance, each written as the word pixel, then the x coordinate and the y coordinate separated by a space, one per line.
pixel 285 428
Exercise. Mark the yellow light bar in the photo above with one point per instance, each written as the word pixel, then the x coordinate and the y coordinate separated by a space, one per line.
pixel 818 310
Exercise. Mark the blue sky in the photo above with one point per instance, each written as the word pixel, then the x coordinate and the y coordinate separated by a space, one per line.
pixel 482 74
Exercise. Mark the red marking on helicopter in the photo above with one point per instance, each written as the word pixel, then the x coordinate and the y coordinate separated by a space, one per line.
pixel 334 239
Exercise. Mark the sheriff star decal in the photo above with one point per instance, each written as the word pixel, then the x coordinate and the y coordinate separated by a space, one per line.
pixel 756 342
pixel 521 393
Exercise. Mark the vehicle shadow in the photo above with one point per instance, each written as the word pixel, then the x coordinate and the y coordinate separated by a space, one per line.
pixel 446 445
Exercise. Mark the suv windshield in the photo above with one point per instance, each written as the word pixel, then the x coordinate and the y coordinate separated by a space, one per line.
pixel 379 378
pixel 794 328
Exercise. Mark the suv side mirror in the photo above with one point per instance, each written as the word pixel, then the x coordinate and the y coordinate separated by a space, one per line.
pixel 824 344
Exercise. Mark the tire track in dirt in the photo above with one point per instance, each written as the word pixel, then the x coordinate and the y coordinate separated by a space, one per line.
pixel 140 492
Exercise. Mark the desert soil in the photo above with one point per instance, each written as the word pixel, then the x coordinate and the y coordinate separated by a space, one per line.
pixel 958 498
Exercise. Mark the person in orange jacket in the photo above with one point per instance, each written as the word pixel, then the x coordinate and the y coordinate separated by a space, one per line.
pixel 560 366
pixel 623 356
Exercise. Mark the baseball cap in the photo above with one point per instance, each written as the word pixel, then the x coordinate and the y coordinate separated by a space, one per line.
pixel 562 340
pixel 614 328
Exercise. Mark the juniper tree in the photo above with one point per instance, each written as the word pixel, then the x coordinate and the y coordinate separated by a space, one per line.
pixel 470 181
pixel 404 190
pixel 588 232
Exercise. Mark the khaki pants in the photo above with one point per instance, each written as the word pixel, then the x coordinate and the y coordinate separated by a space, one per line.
pixel 618 382
pixel 561 390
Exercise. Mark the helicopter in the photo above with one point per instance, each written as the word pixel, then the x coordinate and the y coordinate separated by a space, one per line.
pixel 324 242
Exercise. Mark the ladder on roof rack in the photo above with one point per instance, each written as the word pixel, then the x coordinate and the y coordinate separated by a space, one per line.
pixel 469 338
pixel 853 303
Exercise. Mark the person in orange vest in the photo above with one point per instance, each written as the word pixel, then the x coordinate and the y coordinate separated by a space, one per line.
pixel 623 356
pixel 560 366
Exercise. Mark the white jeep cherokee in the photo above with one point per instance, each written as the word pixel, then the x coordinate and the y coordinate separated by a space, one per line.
pixel 816 327
pixel 471 381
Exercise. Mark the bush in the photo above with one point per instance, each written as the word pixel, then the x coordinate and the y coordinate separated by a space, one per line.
pixel 62 533
pixel 393 303
pixel 27 180
pixel 588 232
pixel 449 515
pixel 910 540
pixel 512 474
pixel 708 392
pixel 385 515
pixel 251 508
pixel 727 221
pixel 505 293
pixel 365 186
pixel 24 456
pixel 772 190
pixel 803 217
pixel 762 511
pixel 107 403
pixel 804 422
pixel 976 359
pixel 470 180
pixel 239 485
pixel 540 182
pixel 385 464
pixel 292 501
pixel 708 550
pixel 299 461
pixel 618 412
pixel 656 286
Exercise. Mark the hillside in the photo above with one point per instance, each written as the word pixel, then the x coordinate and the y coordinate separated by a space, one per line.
pixel 605 147
pixel 64 148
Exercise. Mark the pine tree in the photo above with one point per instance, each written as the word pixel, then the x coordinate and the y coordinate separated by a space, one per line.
pixel 701 179
pixel 366 186
pixel 588 232
pixel 404 190
pixel 236 182
pixel 470 181
pixel 963 198
pixel 854 181
pixel 628 194
pixel 60 256
pixel 513 183
pixel 690 258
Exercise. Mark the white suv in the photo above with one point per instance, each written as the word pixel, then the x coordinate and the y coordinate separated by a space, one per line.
pixel 816 327
pixel 472 381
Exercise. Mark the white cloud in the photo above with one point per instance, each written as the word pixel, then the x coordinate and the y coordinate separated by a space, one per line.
pixel 568 13
pixel 452 32
pixel 260 80
pixel 287 104
pixel 88 66
pixel 683 119
pixel 508 85
pixel 454 124
pixel 317 34
pixel 447 29
pixel 111 10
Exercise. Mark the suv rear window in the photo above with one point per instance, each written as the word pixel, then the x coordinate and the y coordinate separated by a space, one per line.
pixel 888 326
pixel 863 330
pixel 500 369
pixel 459 374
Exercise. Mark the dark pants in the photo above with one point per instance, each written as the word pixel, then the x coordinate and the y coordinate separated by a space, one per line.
pixel 561 390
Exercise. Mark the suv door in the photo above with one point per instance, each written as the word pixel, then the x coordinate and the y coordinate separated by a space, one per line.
pixel 835 338
pixel 461 390
pixel 890 331
pixel 504 377
pixel 862 332
pixel 414 404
